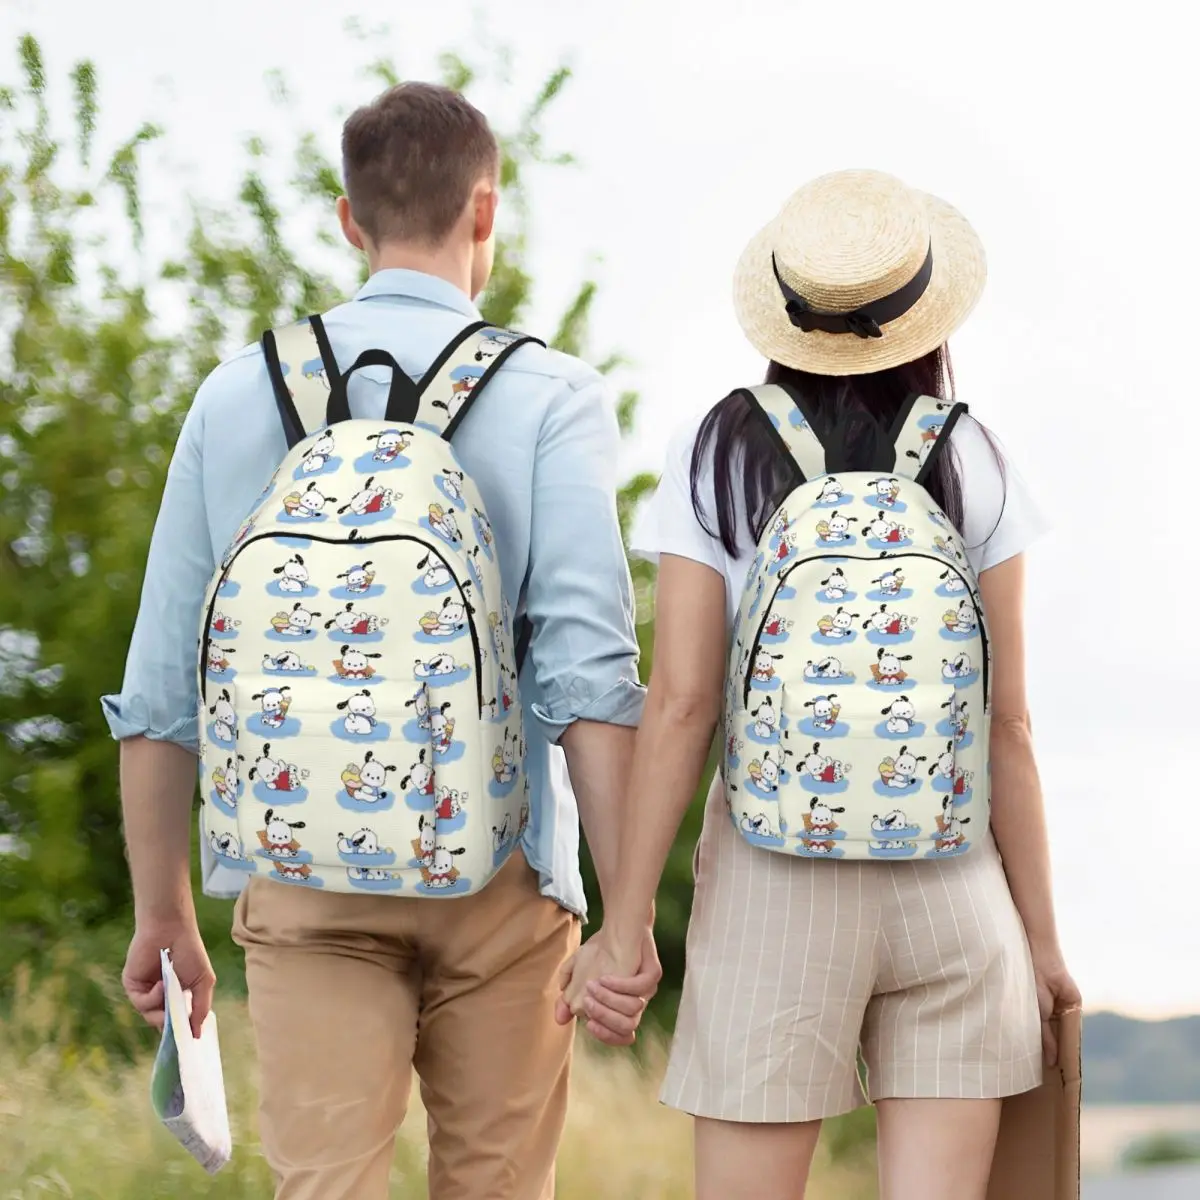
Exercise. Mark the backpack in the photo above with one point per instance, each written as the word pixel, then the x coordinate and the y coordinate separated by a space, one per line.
pixel 360 723
pixel 858 693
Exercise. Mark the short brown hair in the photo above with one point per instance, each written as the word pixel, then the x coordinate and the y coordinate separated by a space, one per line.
pixel 410 159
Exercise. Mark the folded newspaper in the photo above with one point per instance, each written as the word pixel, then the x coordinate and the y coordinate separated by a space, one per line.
pixel 187 1087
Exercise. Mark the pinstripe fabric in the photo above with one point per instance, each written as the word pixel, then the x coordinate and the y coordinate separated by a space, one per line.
pixel 793 965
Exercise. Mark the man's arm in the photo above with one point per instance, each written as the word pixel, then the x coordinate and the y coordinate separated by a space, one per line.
pixel 579 598
pixel 155 719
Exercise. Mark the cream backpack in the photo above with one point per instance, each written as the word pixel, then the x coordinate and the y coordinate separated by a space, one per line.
pixel 858 697
pixel 361 728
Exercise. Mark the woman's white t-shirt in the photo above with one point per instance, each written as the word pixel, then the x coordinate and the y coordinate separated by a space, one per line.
pixel 1000 517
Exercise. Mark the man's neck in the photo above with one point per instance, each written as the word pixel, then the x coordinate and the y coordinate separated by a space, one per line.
pixel 446 262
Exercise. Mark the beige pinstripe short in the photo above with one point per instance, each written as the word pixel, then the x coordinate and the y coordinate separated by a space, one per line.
pixel 794 965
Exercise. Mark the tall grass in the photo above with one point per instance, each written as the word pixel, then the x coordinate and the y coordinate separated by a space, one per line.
pixel 77 1123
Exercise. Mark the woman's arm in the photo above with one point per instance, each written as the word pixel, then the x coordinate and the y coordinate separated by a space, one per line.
pixel 683 704
pixel 1018 815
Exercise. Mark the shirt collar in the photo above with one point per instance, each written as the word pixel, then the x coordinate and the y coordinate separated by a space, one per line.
pixel 416 285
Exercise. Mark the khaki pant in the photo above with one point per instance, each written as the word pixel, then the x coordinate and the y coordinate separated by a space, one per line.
pixel 349 993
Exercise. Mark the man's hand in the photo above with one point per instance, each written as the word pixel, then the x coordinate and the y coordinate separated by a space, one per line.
pixel 609 988
pixel 142 977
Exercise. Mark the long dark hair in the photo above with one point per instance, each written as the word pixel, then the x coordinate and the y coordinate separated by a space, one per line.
pixel 856 409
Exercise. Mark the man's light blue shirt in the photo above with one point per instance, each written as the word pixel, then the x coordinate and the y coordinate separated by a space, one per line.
pixel 542 444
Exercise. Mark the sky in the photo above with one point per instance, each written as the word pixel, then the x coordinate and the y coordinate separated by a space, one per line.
pixel 1062 133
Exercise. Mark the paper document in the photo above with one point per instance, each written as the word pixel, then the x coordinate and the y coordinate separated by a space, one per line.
pixel 187 1087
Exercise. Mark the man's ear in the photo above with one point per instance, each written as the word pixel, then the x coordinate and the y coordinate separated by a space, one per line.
pixel 350 230
pixel 486 198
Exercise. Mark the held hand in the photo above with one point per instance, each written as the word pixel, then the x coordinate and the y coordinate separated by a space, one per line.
pixel 609 989
pixel 1056 992
pixel 142 977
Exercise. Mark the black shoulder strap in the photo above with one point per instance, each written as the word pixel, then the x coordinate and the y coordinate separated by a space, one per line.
pixel 784 413
pixel 921 432
pixel 453 383
pixel 303 370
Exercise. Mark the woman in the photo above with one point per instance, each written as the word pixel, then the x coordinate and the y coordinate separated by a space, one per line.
pixel 934 970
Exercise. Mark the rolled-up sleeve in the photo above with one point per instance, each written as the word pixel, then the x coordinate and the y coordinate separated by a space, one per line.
pixel 579 596
pixel 159 696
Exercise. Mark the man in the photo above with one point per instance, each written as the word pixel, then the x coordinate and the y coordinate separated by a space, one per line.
pixel 349 992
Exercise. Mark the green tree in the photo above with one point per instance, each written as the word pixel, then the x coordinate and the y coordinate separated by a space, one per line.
pixel 93 386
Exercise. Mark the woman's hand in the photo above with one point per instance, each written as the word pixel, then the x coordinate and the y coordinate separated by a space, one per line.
pixel 609 986
pixel 1056 993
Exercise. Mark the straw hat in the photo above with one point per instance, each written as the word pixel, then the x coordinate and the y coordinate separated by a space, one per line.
pixel 857 273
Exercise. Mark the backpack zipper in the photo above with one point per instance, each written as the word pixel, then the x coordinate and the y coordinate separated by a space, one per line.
pixel 975 599
pixel 389 537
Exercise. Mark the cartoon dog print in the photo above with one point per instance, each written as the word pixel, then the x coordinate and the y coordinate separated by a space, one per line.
pixel 825 711
pixel 277 774
pixel 831 491
pixel 838 625
pixel 441 728
pixel 369 499
pixel 901 714
pixel 292 870
pixel 922 455
pixel 947 768
pixel 437 574
pixel 419 703
pixel 836 528
pixel 354 663
pixel 504 760
pixel 225 780
pixel 759 825
pixel 888 669
pixel 958 667
pixel 439 664
pixel 962 619
pixel 442 522
pixel 836 585
pixel 309 504
pixel 887 490
pixel 495 342
pixel 297 623
pixel 888 824
pixel 822 768
pixel 360 714
pixel 278 838
pixel 891 583
pixel 450 619
pixel 900 771
pixel 218 658
pixel 420 778
pixel 958 716
pixel 366 783
pixel 356 624
pixel 776 624
pixel 225 845
pixel 275 703
pixel 225 717
pixel 825 668
pixel 950 548
pixel 485 527
pixel 220 623
pixel 389 444
pixel 766 771
pixel 372 874
pixel 764 665
pixel 950 834
pixel 450 803
pixel 442 872
pixel 766 719
pixel 425 842
pixel 293 575
pixel 953 581
pixel 883 530
pixel 452 482
pixel 289 660
pixel 361 841
pixel 891 624
pixel 820 820
pixel 358 578
pixel 318 454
